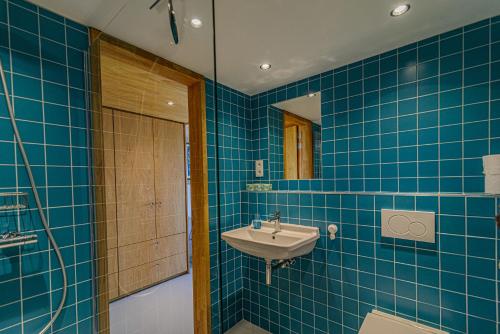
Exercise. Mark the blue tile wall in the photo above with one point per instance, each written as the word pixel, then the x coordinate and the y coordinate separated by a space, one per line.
pixel 261 124
pixel 233 155
pixel 452 284
pixel 405 130
pixel 415 119
pixel 275 124
pixel 316 137
pixel 43 54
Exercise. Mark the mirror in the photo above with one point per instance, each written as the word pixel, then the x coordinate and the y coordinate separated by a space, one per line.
pixel 295 138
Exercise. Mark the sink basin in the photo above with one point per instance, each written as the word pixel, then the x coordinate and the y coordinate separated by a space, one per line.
pixel 292 241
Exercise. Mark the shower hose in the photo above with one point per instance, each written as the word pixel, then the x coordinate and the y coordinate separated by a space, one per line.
pixel 37 200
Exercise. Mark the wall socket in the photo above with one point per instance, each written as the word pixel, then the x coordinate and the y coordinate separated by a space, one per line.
pixel 259 168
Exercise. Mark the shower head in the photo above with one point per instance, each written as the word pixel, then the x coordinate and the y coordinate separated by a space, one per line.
pixel 171 16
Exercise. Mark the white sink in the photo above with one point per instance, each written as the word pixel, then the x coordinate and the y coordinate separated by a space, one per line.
pixel 292 241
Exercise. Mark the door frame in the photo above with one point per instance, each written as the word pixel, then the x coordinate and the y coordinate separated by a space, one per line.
pixel 199 181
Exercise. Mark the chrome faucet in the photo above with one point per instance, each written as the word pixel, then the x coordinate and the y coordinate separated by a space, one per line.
pixel 276 219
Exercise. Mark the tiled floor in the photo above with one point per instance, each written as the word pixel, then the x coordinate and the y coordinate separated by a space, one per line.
pixel 245 327
pixel 163 309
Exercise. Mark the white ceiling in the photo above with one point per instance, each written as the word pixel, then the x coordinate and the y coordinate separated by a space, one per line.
pixel 304 106
pixel 299 38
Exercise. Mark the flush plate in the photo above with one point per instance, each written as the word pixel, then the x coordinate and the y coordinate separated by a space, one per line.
pixel 409 225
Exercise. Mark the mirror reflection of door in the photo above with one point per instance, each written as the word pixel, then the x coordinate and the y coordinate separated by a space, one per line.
pixel 295 138
pixel 298 147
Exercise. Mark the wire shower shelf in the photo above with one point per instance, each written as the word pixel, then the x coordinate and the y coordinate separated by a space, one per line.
pixel 11 201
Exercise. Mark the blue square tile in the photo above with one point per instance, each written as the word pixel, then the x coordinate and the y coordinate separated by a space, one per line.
pixel 451 63
pixel 477 75
pixel 476 56
pixel 3 11
pixel 407 58
pixel 453 98
pixel 480 325
pixel 451 45
pixel 428 69
pixel 407 74
pixel 476 37
pixel 450 81
pixel 22 18
pixel 428 52
pixel 476 94
pixel 25 64
pixel 27 87
pixel 24 41
pixel 52 30
pixel 486 309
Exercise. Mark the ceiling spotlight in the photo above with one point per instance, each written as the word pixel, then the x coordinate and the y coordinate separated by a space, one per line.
pixel 400 10
pixel 311 94
pixel 196 23
pixel 170 103
pixel 265 66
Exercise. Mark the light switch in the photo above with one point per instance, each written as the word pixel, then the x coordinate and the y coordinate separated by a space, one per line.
pixel 409 225
pixel 259 168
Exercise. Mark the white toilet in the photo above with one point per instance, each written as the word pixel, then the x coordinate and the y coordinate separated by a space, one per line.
pixel 377 322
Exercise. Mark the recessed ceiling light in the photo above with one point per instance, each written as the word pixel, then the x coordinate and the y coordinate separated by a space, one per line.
pixel 400 10
pixel 311 94
pixel 170 103
pixel 265 66
pixel 196 23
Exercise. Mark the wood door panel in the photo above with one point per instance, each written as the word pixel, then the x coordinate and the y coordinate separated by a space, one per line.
pixel 290 153
pixel 171 245
pixel 170 177
pixel 137 278
pixel 149 251
pixel 171 225
pixel 135 223
pixel 113 290
pixel 304 149
pixel 109 177
pixel 111 227
pixel 113 273
pixel 134 178
pixel 112 260
pixel 306 170
pixel 132 83
pixel 172 266
pixel 137 254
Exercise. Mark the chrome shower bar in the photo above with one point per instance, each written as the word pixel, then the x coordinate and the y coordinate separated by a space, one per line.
pixel 13 239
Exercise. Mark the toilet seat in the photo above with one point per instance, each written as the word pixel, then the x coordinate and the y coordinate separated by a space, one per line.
pixel 377 322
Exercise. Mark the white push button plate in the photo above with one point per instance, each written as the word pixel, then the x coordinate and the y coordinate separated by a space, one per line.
pixel 409 225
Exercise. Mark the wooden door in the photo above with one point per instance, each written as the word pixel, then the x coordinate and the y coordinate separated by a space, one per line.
pixel 303 161
pixel 291 155
pixel 134 165
pixel 108 162
pixel 306 170
pixel 170 187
